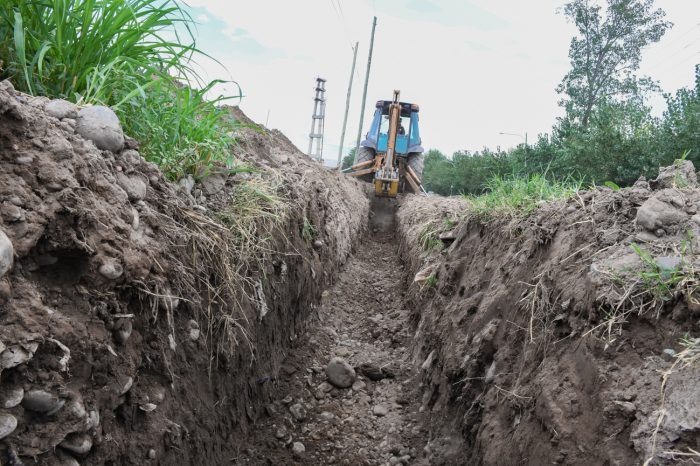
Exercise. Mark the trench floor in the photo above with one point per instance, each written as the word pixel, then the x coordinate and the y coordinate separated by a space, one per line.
pixel 363 320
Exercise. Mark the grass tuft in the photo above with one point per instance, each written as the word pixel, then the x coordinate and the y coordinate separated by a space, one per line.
pixel 132 55
pixel 519 196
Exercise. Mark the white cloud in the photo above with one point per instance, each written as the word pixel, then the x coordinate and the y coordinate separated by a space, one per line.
pixel 471 82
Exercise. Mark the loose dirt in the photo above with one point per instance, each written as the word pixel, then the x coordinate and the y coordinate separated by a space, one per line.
pixel 135 319
pixel 363 319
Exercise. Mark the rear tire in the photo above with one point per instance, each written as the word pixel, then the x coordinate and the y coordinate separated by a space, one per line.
pixel 365 154
pixel 415 161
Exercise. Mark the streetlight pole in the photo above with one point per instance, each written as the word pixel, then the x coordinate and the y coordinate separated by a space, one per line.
pixel 522 137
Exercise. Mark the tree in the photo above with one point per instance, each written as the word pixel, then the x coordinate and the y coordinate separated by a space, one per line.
pixel 606 54
pixel 348 160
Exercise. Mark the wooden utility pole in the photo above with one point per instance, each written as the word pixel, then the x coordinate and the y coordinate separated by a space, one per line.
pixel 347 108
pixel 364 94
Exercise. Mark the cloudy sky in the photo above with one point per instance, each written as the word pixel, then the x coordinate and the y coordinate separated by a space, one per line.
pixel 477 68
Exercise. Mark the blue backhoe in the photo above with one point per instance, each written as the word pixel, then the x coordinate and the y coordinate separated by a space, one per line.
pixel 391 156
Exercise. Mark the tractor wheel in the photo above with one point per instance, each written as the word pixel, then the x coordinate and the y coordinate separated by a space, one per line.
pixel 365 154
pixel 415 161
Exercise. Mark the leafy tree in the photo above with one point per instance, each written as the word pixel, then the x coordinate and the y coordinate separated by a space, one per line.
pixel 348 160
pixel 606 54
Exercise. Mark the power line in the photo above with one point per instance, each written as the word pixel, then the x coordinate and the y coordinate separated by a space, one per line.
pixel 338 9
pixel 670 57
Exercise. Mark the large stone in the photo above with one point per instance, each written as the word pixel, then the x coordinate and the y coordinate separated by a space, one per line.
pixel 212 184
pixel 15 355
pixel 11 396
pixel 657 213
pixel 134 186
pixel 41 401
pixel 340 373
pixel 61 109
pixel 7 254
pixel 77 443
pixel 101 125
pixel 679 175
pixel 8 424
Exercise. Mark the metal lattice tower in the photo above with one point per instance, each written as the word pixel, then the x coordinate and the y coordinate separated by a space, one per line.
pixel 317 121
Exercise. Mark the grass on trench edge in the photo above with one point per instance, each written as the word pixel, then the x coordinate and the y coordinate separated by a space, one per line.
pixel 519 196
pixel 136 56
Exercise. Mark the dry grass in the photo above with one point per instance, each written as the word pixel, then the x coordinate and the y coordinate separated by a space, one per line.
pixel 217 263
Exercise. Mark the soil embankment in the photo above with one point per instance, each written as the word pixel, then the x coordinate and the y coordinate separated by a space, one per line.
pixel 141 321
pixel 558 339
pixel 225 320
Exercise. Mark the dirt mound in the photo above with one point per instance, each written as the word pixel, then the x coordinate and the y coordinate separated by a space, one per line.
pixel 141 321
pixel 565 338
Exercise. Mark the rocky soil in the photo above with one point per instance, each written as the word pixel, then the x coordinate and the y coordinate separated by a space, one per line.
pixel 136 322
pixel 347 390
pixel 556 339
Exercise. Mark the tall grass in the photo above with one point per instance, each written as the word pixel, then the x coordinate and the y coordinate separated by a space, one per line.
pixel 54 47
pixel 519 196
pixel 129 54
pixel 179 128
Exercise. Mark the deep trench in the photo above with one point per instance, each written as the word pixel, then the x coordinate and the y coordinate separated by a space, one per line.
pixel 363 319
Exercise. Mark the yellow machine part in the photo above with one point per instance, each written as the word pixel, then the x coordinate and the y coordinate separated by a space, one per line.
pixel 386 188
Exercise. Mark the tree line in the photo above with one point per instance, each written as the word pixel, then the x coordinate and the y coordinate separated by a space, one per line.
pixel 608 132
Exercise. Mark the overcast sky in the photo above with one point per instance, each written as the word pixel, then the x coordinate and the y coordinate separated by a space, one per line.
pixel 477 68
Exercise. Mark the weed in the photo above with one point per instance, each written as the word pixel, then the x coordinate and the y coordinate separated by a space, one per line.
pixel 649 288
pixel 519 196
pixel 660 282
pixel 308 231
pixel 179 128
pixel 431 281
pixel 429 238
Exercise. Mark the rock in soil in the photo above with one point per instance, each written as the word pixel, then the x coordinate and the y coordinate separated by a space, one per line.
pixel 7 254
pixel 298 411
pixel 380 410
pixel 77 443
pixel 41 401
pixel 101 126
pixel 298 448
pixel 59 108
pixel 374 372
pixel 340 373
pixel 8 424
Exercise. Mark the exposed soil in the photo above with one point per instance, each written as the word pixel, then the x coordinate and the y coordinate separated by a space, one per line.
pixel 133 329
pixel 363 319
pixel 137 325
pixel 541 343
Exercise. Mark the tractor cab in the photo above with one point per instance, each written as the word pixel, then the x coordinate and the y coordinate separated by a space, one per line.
pixel 408 135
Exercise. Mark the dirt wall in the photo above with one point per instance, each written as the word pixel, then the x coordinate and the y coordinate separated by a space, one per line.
pixel 540 343
pixel 133 329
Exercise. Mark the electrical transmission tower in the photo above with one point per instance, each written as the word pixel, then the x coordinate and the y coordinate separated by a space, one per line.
pixel 317 121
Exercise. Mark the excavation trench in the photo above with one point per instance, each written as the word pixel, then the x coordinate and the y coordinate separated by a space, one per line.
pixel 364 320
